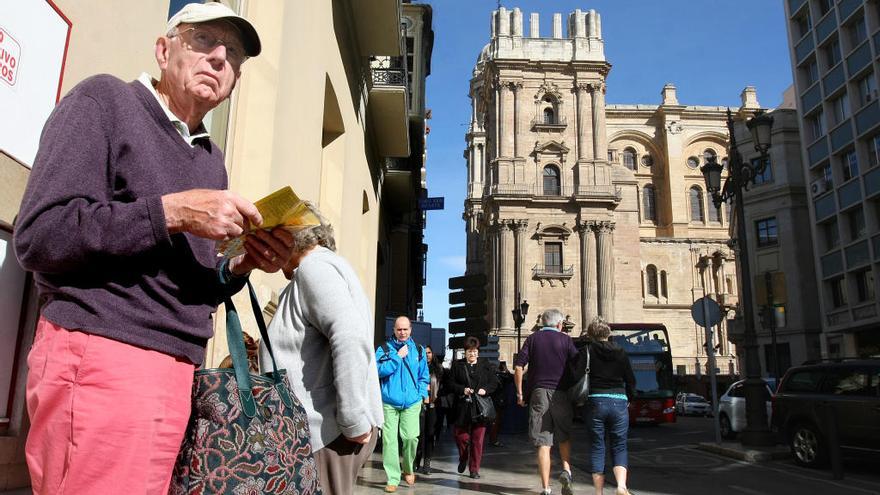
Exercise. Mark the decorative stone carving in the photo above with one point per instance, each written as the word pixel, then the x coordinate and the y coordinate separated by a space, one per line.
pixel 674 127
pixel 603 227
pixel 548 88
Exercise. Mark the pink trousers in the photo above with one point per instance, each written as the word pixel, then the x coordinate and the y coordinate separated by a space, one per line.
pixel 106 417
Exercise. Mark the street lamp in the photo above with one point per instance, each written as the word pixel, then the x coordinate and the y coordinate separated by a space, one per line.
pixel 520 311
pixel 740 176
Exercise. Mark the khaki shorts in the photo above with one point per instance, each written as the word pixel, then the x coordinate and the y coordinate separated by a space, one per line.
pixel 550 417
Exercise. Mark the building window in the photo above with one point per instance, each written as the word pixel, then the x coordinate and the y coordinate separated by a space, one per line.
pixel 810 73
pixel 850 164
pixel 816 124
pixel 803 25
pixel 714 212
pixel 856 220
pixel 693 162
pixel 857 31
pixel 629 158
pixel 865 285
pixel 647 160
pixel 831 234
pixel 611 156
pixel 827 175
pixel 551 181
pixel 874 151
pixel 649 204
pixel 832 53
pixel 697 205
pixel 708 154
pixel 664 287
pixel 867 89
pixel 840 108
pixel 651 280
pixel 549 116
pixel 766 229
pixel 838 292
pixel 825 6
pixel 765 176
pixel 553 257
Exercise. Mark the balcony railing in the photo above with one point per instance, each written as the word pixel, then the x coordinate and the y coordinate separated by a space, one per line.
pixel 388 71
pixel 556 124
pixel 530 190
pixel 553 271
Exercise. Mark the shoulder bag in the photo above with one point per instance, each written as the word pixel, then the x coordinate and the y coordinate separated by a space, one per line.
pixel 247 433
pixel 482 408
pixel 579 392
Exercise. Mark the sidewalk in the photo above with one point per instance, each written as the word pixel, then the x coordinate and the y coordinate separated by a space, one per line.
pixel 736 450
pixel 508 470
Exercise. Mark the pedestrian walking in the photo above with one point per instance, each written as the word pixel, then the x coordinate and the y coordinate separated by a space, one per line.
pixel 468 378
pixel 125 202
pixel 546 353
pixel 322 333
pixel 428 418
pixel 499 398
pixel 404 379
pixel 612 383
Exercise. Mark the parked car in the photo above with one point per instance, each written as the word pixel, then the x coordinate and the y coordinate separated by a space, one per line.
pixel 810 397
pixel 732 409
pixel 692 405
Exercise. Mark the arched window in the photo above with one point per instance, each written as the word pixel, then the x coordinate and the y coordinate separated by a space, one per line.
pixel 549 116
pixel 697 205
pixel 649 204
pixel 629 158
pixel 651 280
pixel 709 153
pixel 664 289
pixel 551 181
pixel 714 213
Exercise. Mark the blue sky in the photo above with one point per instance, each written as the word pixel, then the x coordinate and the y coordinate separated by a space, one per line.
pixel 710 49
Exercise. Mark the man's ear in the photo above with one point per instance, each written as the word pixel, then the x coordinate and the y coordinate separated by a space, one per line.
pixel 162 50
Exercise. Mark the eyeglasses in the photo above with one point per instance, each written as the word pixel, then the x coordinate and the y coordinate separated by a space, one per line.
pixel 204 41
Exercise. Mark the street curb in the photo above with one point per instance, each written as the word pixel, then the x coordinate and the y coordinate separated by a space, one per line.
pixel 736 451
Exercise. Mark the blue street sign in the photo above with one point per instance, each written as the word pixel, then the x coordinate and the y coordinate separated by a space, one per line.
pixel 431 203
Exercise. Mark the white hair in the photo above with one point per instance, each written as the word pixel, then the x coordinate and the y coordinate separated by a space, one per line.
pixel 552 317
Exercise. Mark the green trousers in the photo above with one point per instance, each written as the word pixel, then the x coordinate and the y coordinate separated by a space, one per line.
pixel 406 422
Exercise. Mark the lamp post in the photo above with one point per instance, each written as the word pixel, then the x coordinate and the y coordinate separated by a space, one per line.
pixel 520 310
pixel 740 176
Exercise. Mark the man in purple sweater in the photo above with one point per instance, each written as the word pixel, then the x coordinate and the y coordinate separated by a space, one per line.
pixel 125 202
pixel 546 352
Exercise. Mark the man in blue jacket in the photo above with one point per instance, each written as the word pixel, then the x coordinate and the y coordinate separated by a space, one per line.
pixel 404 379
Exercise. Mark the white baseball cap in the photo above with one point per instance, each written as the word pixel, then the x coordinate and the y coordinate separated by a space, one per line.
pixel 194 13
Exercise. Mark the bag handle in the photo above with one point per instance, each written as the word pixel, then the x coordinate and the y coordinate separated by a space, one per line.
pixel 235 341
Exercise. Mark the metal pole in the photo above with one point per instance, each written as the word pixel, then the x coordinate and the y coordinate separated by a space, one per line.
pixel 771 322
pixel 710 352
pixel 756 432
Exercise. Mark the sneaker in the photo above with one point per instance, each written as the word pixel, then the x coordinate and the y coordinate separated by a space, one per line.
pixel 545 491
pixel 565 481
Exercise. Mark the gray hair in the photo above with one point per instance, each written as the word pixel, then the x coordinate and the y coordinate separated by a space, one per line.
pixel 552 318
pixel 319 235
pixel 598 329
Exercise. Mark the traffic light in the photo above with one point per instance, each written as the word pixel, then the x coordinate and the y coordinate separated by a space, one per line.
pixel 469 293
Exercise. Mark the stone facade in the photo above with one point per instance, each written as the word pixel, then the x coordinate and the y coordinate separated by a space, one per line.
pixel 591 208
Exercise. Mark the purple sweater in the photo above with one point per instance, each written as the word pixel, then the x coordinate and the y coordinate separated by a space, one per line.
pixel 546 352
pixel 92 227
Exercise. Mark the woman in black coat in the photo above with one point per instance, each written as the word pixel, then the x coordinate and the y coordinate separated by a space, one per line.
pixel 469 377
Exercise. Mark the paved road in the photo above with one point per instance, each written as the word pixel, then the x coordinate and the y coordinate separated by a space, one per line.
pixel 663 461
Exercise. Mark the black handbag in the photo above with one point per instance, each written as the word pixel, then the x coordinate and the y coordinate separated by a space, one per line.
pixel 482 409
pixel 579 392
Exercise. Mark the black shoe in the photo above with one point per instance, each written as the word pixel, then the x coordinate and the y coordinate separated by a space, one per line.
pixel 475 476
pixel 462 463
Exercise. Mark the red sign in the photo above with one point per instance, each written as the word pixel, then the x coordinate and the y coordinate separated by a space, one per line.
pixel 10 55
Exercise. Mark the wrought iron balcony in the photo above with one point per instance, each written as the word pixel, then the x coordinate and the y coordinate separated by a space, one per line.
pixel 389 71
pixel 553 271
pixel 557 124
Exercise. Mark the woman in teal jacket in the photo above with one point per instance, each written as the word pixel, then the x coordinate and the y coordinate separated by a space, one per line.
pixel 404 379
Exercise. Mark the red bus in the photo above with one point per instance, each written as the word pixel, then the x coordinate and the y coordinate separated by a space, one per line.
pixel 647 345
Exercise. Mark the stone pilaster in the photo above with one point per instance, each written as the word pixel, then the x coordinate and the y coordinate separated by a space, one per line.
pixel 516 88
pixel 519 227
pixel 585 232
pixel 585 123
pixel 505 119
pixel 605 263
pixel 506 282
pixel 600 137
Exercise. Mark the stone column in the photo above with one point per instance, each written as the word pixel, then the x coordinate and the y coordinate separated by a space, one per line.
pixel 519 227
pixel 492 266
pixel 600 137
pixel 605 262
pixel 585 232
pixel 585 123
pixel 516 88
pixel 505 252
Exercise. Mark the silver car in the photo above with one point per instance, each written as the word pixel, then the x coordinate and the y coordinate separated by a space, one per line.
pixel 732 409
pixel 693 405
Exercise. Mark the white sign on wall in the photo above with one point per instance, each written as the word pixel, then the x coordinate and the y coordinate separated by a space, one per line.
pixel 34 35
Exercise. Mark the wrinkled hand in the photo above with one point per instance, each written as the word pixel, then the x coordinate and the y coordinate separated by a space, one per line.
pixel 481 392
pixel 267 251
pixel 403 351
pixel 362 439
pixel 208 213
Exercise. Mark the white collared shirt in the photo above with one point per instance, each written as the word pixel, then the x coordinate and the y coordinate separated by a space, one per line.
pixel 180 125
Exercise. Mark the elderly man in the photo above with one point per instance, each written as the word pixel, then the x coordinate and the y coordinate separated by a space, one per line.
pixel 404 378
pixel 119 222
pixel 322 334
pixel 546 352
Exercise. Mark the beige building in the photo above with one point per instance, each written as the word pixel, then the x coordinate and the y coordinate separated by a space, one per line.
pixel 592 208
pixel 318 110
